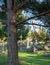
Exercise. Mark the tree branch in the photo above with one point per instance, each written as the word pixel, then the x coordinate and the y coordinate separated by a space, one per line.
pixel 4 8
pixel 21 5
pixel 3 21
pixel 37 24
pixel 43 13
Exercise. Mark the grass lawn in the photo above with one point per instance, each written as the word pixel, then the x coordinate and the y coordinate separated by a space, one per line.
pixel 27 59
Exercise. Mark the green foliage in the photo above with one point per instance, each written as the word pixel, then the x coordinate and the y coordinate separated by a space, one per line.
pixel 0 25
pixel 42 34
pixel 35 35
pixel 1 29
pixel 3 15
pixel 19 16
pixel 22 31
pixel 3 33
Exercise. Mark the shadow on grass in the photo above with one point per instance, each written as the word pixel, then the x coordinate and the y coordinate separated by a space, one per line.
pixel 35 60
pixel 27 59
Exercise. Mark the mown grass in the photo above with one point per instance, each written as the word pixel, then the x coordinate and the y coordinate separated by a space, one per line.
pixel 3 59
pixel 27 59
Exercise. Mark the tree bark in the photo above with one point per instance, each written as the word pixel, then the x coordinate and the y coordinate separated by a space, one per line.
pixel 12 36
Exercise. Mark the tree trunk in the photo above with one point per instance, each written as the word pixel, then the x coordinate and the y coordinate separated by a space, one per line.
pixel 12 36
pixel 28 41
pixel 45 45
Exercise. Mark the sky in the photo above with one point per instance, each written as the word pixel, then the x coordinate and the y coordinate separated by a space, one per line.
pixel 1 2
pixel 40 1
pixel 28 15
